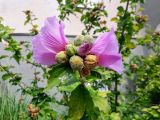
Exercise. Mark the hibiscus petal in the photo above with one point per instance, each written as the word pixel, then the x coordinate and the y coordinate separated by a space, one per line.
pixel 105 43
pixel 41 54
pixel 113 62
pixel 53 34
pixel 49 42
pixel 84 49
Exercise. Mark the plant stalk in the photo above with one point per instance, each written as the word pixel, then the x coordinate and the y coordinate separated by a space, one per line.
pixel 116 78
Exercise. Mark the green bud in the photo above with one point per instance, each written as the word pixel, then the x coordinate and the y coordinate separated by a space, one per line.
pixel 61 57
pixel 83 39
pixel 88 39
pixel 76 62
pixel 71 50
pixel 78 40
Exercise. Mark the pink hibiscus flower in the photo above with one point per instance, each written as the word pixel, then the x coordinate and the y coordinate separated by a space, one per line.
pixel 49 42
pixel 107 51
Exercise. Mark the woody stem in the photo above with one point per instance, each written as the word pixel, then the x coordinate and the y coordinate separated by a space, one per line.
pixel 121 45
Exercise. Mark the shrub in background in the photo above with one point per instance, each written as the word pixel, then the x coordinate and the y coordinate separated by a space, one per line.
pixel 143 103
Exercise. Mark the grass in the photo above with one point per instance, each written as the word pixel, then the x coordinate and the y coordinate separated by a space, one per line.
pixel 10 108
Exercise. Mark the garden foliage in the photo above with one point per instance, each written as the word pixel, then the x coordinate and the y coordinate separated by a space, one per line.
pixel 96 96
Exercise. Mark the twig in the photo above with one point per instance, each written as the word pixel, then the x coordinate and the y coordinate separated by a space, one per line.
pixel 10 74
pixel 123 28
pixel 66 98
pixel 116 78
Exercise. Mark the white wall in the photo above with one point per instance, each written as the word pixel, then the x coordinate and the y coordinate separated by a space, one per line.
pixel 153 11
pixel 11 11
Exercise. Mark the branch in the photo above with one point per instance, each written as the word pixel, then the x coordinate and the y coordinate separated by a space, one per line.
pixel 14 77
pixel 123 28
pixel 116 77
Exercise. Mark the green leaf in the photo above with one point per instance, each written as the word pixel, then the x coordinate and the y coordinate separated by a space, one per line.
pixel 3 56
pixel 6 76
pixel 69 88
pixel 115 116
pixel 130 45
pixel 120 8
pixel 94 76
pixel 29 55
pixel 17 56
pixel 15 80
pixel 83 17
pixel 92 112
pixel 115 19
pixel 81 105
pixel 77 103
pixel 99 101
pixel 55 74
pixel 60 73
pixel 105 13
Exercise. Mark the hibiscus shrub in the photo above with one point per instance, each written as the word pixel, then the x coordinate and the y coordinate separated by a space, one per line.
pixel 87 71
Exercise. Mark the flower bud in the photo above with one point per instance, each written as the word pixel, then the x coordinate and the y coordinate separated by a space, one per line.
pixel 142 18
pixel 78 40
pixel 88 39
pixel 74 2
pixel 30 106
pixel 83 39
pixel 157 33
pixel 101 5
pixel 103 22
pixel 35 110
pixel 93 14
pixel 76 62
pixel 90 61
pixel 85 72
pixel 71 50
pixel 133 67
pixel 61 57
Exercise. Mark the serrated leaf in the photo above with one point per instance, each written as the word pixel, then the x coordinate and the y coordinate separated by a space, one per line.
pixel 56 72
pixel 99 101
pixel 77 103
pixel 115 116
pixel 15 80
pixel 69 88
pixel 94 76
pixel 52 83
pixel 91 109
pixel 80 103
